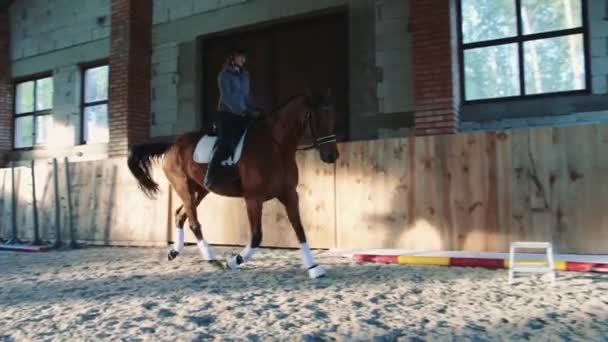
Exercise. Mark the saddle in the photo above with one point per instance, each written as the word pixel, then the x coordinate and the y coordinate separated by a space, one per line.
pixel 206 146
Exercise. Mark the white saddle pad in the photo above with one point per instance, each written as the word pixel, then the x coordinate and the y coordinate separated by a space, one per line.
pixel 205 148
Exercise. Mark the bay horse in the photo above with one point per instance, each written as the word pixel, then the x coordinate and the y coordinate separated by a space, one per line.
pixel 267 170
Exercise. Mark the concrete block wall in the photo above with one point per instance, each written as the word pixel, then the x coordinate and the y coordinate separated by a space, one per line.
pixel 598 31
pixel 57 36
pixel 43 26
pixel 168 10
pixel 165 80
pixel 6 90
pixel 379 44
pixel 177 26
pixel 393 57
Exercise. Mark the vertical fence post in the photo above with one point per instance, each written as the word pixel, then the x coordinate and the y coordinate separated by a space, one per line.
pixel 14 239
pixel 57 204
pixel 69 198
pixel 35 207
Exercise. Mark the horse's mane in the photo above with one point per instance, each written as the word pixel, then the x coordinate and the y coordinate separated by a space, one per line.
pixel 278 108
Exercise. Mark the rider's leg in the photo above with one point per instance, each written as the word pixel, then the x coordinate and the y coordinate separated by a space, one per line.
pixel 224 127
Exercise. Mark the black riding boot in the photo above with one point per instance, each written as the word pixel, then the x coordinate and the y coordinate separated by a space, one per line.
pixel 214 165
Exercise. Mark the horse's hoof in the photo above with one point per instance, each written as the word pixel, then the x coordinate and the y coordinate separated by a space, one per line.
pixel 316 272
pixel 234 261
pixel 172 254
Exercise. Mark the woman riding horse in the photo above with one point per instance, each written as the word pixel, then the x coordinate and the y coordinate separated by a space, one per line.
pixel 267 170
pixel 235 110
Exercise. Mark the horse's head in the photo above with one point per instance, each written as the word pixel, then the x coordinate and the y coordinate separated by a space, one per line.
pixel 321 118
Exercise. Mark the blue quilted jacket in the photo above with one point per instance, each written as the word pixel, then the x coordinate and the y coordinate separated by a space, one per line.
pixel 234 91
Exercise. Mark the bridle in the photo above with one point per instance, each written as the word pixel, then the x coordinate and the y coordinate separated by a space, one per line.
pixel 318 141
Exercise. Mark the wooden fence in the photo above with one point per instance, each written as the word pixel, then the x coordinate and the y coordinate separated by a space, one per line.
pixel 473 192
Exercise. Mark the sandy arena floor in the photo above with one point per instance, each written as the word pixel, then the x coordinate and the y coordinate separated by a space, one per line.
pixel 133 294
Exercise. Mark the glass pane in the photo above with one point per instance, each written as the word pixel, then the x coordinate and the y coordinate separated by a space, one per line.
pixel 488 19
pixel 24 131
pixel 491 72
pixel 554 64
pixel 96 84
pixel 550 15
pixel 43 129
pixel 24 97
pixel 44 93
pixel 96 124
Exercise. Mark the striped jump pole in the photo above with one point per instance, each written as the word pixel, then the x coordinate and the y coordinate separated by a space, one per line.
pixel 571 266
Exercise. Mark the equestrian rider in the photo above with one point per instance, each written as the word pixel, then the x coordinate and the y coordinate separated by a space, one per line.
pixel 235 110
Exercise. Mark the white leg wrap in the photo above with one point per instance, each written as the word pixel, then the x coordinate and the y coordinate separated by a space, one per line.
pixel 307 260
pixel 206 251
pixel 232 263
pixel 247 252
pixel 178 246
pixel 316 272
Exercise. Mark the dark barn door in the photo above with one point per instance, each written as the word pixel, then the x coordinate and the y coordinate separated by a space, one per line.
pixel 284 60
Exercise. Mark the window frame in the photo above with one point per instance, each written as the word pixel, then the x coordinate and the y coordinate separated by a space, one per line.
pixel 83 104
pixel 520 38
pixel 34 114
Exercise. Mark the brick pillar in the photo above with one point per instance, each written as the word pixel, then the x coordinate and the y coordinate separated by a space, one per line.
pixel 6 90
pixel 435 66
pixel 130 72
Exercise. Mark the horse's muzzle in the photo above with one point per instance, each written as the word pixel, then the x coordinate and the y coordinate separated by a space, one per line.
pixel 330 157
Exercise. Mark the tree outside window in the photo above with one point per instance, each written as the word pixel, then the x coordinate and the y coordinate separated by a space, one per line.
pixel 95 105
pixel 33 107
pixel 519 48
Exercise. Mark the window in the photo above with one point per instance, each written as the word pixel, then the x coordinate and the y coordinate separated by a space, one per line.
pixel 95 105
pixel 33 105
pixel 522 48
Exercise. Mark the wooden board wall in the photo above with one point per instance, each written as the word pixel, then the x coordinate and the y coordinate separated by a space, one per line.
pixel 108 206
pixel 473 192
pixel 476 192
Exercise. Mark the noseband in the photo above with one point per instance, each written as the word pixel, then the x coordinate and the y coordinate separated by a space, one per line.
pixel 318 141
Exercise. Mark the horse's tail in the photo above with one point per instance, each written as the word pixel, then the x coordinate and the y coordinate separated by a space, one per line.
pixel 140 162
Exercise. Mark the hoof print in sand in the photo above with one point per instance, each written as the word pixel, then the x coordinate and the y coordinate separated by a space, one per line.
pixel 201 321
pixel 165 313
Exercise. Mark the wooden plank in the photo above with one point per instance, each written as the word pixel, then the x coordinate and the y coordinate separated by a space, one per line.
pixel 428 231
pixel 555 179
pixel 372 190
pixel 23 196
pixel 503 187
pixel 491 223
pixel 542 164
pixel 45 199
pixel 598 219
pixel 520 220
pixel 584 192
pixel 468 192
pixel 108 206
pixel 5 204
pixel 24 248
pixel 468 180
